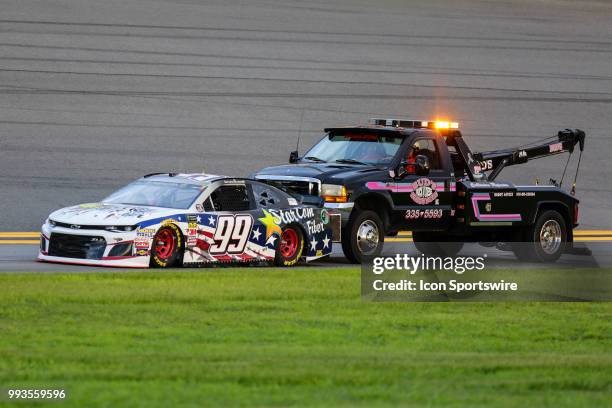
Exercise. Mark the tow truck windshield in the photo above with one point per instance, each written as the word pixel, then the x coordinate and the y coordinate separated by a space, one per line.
pixel 359 149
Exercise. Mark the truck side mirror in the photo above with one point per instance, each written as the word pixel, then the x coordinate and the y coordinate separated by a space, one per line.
pixel 422 165
pixel 293 156
pixel 400 171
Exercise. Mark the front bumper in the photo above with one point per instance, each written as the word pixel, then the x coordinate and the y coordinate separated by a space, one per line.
pixel 340 213
pixel 102 255
pixel 132 262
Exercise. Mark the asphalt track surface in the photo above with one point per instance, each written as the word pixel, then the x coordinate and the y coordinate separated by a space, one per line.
pixel 19 258
pixel 18 251
pixel 94 94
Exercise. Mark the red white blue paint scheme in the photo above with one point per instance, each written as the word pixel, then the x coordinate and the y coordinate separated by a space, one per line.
pixel 166 220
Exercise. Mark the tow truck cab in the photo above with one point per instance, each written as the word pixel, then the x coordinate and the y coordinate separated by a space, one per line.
pixel 421 176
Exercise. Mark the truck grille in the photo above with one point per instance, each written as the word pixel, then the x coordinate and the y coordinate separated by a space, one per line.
pixel 76 246
pixel 295 186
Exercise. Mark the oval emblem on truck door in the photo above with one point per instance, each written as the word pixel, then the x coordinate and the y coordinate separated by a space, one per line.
pixel 424 191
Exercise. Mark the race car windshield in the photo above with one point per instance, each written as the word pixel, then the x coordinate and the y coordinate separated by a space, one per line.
pixel 157 194
pixel 361 148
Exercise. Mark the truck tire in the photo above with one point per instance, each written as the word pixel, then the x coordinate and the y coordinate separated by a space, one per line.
pixel 522 252
pixel 363 237
pixel 429 244
pixel 545 240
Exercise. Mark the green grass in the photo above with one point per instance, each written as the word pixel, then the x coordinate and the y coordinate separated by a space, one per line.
pixel 291 337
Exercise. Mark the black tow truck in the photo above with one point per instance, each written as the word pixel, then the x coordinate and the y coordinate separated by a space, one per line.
pixel 396 174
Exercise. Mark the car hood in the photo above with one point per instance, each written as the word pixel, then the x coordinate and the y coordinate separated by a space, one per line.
pixel 326 172
pixel 109 214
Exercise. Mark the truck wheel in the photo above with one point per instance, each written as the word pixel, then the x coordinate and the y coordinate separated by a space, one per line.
pixel 545 240
pixel 364 237
pixel 435 244
pixel 523 251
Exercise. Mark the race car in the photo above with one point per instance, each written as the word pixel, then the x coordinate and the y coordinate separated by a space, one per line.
pixel 167 219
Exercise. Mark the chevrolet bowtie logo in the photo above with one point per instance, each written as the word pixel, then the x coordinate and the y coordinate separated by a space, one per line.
pixel 73 226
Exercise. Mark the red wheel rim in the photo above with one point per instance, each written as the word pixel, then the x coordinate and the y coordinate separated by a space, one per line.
pixel 289 243
pixel 164 243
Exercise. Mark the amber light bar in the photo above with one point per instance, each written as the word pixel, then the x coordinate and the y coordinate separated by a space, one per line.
pixel 406 123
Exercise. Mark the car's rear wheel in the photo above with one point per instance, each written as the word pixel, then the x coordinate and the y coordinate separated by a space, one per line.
pixel 290 246
pixel 167 247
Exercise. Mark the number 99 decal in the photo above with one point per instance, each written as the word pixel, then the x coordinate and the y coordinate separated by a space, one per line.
pixel 232 234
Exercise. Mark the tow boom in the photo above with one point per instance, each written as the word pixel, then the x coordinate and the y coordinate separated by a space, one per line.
pixel 496 160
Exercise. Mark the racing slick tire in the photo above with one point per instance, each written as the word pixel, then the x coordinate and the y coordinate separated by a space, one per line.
pixel 167 247
pixel 364 237
pixel 431 244
pixel 545 240
pixel 290 246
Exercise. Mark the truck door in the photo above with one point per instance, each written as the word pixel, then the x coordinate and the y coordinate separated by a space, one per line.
pixel 425 201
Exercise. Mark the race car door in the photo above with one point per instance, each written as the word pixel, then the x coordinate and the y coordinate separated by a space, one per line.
pixel 424 202
pixel 231 215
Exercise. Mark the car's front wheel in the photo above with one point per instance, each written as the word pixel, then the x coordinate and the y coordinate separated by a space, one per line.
pixel 167 247
pixel 363 237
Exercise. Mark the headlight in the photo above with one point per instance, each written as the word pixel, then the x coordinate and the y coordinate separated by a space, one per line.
pixel 51 222
pixel 333 193
pixel 124 249
pixel 121 228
